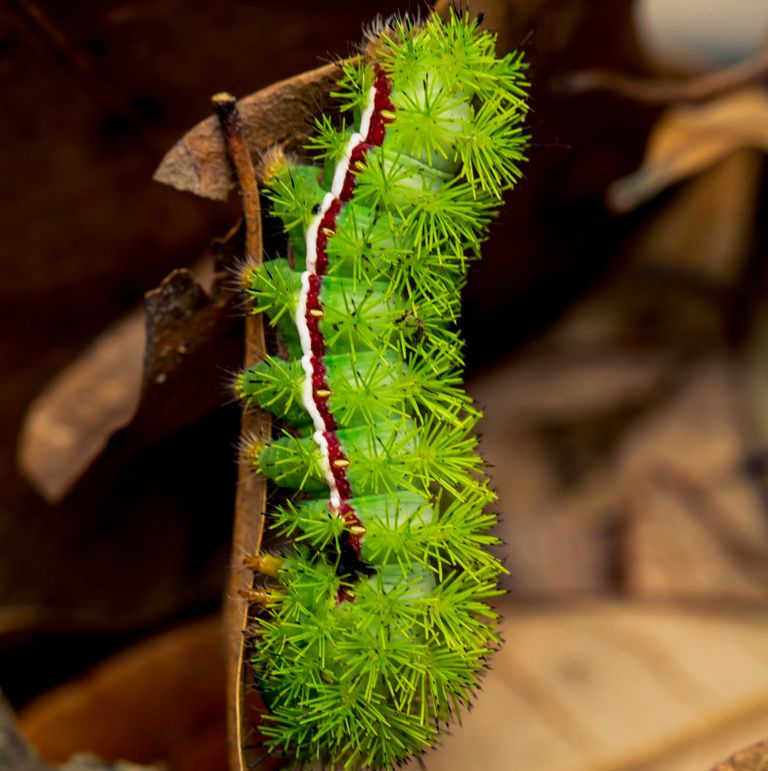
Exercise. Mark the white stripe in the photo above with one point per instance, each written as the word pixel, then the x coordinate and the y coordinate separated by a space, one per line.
pixel 312 229
pixel 365 119
pixel 342 167
pixel 307 396
pixel 301 319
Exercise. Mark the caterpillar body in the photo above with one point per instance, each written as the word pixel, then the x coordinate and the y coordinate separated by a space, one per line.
pixel 378 621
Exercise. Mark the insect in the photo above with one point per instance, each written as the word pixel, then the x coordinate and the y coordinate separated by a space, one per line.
pixel 376 622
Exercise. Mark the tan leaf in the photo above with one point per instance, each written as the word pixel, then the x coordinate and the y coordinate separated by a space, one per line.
pixel 607 686
pixel 690 138
pixel 705 232
pixel 754 758
pixel 696 524
pixel 162 700
pixel 156 370
pixel 278 113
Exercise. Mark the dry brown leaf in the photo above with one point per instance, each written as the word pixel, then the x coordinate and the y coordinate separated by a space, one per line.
pixel 582 144
pixel 515 19
pixel 17 755
pixel 690 138
pixel 69 424
pixel 555 415
pixel 154 371
pixel 552 416
pixel 582 687
pixel 696 524
pixel 278 113
pixel 90 763
pixel 161 700
pixel 244 705
pixel 754 758
pixel 608 686
pixel 706 232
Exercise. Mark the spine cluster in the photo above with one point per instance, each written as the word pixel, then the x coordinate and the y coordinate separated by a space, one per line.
pixel 378 623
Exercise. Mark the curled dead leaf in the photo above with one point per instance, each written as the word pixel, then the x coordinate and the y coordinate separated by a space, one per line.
pixel 161 700
pixel 614 685
pixel 688 139
pixel 17 755
pixel 754 758
pixel 278 113
pixel 151 373
pixel 69 424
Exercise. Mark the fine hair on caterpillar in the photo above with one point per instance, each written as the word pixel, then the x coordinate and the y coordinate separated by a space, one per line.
pixel 372 620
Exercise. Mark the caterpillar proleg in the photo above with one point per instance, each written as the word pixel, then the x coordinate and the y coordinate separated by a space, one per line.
pixel 377 622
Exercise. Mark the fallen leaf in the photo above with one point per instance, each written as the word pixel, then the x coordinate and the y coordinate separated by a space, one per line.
pixel 692 88
pixel 754 758
pixel 705 233
pixel 278 113
pixel 696 526
pixel 689 138
pixel 70 423
pixel 610 686
pixel 589 686
pixel 148 375
pixel 581 144
pixel 554 414
pixel 17 755
pixel 160 700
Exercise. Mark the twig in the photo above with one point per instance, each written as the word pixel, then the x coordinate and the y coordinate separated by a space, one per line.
pixel 251 490
pixel 664 90
pixel 225 106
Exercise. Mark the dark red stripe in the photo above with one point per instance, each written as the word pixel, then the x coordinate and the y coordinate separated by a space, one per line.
pixel 313 322
pixel 326 228
pixel 320 383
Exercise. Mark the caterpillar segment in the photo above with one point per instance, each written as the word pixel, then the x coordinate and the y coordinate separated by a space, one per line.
pixel 376 621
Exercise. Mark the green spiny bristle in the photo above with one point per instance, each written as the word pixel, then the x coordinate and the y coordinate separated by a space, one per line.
pixel 313 525
pixel 373 246
pixel 396 457
pixel 328 143
pixel 276 386
pixel 438 394
pixel 274 290
pixel 395 650
pixel 367 389
pixel 431 214
pixel 365 245
pixel 358 315
pixel 429 117
pixel 491 146
pixel 383 388
pixel 295 192
pixel 351 90
pixel 289 462
pixel 464 56
pixel 456 538
pixel 446 63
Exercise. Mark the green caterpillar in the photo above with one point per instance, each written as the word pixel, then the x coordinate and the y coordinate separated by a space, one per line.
pixel 377 622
